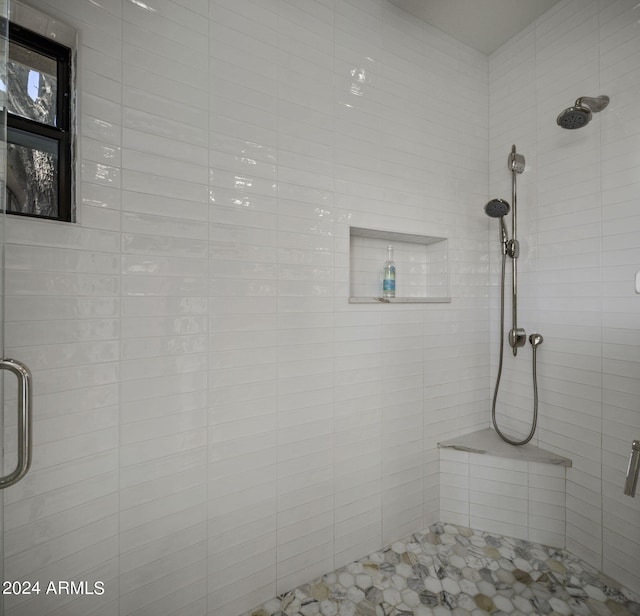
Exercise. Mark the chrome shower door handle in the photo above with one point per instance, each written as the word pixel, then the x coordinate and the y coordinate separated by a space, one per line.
pixel 631 480
pixel 24 421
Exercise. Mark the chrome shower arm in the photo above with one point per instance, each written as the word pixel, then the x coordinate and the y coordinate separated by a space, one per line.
pixel 595 105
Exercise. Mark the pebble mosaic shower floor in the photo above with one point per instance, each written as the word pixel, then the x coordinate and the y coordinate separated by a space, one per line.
pixel 452 570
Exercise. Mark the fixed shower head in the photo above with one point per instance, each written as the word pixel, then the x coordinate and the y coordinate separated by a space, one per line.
pixel 574 117
pixel 581 113
pixel 497 208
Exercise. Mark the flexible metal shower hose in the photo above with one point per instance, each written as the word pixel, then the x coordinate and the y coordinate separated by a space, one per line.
pixel 535 376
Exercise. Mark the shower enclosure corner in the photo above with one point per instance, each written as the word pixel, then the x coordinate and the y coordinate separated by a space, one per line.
pixel 499 208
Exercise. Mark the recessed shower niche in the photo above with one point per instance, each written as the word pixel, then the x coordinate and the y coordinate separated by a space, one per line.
pixel 422 267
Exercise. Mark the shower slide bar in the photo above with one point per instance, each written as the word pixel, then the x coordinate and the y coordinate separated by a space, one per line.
pixel 24 421
pixel 632 470
pixel 499 208
pixel 517 335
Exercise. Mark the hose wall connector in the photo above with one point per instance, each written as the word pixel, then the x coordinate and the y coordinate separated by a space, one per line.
pixel 535 340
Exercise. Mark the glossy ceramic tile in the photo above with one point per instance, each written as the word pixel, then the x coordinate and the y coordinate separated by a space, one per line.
pixel 574 267
pixel 225 149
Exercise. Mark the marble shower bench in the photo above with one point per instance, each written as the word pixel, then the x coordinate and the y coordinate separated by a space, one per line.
pixel 488 484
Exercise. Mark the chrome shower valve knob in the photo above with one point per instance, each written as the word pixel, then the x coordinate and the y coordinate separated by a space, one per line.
pixel 633 469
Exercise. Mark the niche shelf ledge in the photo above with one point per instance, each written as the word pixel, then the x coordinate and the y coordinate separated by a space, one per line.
pixel 399 300
pixel 394 236
pixel 422 264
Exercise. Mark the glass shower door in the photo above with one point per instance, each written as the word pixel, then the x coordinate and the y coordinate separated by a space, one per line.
pixel 15 438
pixel 4 10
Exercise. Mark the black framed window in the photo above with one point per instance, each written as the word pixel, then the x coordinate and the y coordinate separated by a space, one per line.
pixel 38 95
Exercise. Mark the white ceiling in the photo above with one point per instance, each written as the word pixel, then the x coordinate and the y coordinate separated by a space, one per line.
pixel 482 24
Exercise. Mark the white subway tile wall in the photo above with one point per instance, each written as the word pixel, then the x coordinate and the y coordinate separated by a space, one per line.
pixel 214 422
pixel 578 223
pixel 239 428
pixel 520 498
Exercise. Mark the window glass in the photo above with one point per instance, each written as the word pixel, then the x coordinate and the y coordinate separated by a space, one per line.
pixel 39 100
pixel 32 84
pixel 32 174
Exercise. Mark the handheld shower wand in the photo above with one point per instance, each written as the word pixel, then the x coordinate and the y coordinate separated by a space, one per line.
pixel 499 208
